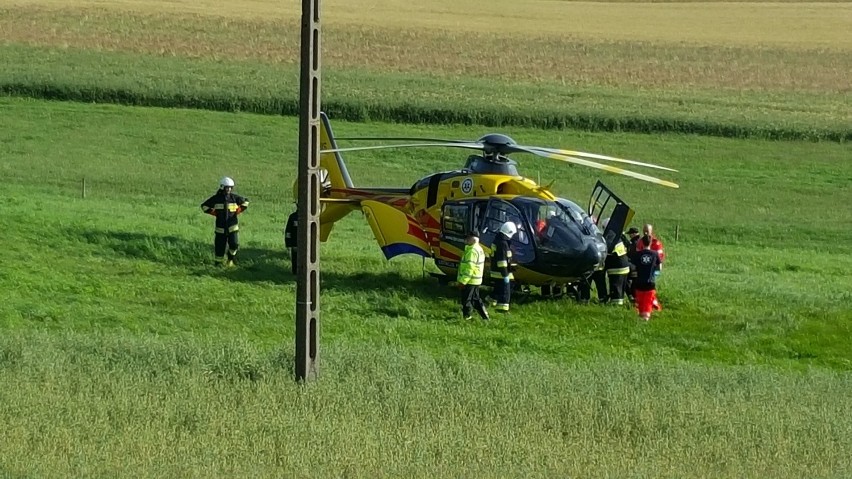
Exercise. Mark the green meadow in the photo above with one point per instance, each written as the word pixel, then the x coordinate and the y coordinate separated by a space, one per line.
pixel 125 353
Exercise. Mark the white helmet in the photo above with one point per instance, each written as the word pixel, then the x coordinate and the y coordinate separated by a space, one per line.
pixel 225 182
pixel 509 229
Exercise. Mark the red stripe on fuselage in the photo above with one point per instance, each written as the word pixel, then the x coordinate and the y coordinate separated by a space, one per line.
pixel 450 256
pixel 415 230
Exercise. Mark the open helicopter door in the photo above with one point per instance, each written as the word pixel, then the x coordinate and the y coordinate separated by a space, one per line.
pixel 605 204
pixel 455 224
pixel 497 212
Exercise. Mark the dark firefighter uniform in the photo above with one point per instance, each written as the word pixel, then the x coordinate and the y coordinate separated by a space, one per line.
pixel 226 207
pixel 290 239
pixel 501 273
pixel 584 287
pixel 617 266
pixel 631 256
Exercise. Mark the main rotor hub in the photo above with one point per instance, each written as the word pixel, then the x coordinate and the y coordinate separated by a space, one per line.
pixel 496 143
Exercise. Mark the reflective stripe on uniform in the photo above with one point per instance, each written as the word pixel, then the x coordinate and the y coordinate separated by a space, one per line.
pixel 618 271
pixel 502 264
pixel 499 275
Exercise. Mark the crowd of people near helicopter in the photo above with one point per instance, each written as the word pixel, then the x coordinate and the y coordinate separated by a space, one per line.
pixel 629 271
pixel 627 275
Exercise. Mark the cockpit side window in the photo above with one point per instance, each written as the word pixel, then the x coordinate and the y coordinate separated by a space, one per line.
pixel 497 213
pixel 455 221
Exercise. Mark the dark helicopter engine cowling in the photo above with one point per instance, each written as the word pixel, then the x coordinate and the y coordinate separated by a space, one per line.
pixel 491 166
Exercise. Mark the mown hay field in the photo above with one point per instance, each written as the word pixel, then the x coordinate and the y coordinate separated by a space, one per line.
pixel 646 67
pixel 765 46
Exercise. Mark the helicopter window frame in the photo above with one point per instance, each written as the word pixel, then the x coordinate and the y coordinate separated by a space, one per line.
pixel 455 220
pixel 492 224
pixel 576 213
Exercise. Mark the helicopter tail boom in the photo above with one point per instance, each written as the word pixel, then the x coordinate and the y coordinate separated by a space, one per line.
pixel 331 161
pixel 396 232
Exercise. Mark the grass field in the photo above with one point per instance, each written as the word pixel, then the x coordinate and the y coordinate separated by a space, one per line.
pixel 184 370
pixel 124 353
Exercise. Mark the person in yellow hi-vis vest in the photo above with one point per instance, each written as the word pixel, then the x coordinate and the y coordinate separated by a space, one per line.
pixel 471 267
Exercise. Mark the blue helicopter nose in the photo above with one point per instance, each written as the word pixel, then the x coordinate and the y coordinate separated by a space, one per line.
pixel 595 253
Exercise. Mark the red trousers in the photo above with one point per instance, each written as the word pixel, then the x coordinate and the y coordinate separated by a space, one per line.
pixel 645 300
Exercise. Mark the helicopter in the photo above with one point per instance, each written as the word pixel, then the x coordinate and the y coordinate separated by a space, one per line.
pixel 557 241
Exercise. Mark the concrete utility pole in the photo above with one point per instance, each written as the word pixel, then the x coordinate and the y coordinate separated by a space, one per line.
pixel 307 273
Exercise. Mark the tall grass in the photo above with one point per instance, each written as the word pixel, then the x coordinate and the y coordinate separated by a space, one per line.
pixel 120 405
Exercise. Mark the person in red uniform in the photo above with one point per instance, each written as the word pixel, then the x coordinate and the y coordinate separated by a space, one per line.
pixel 656 245
pixel 645 284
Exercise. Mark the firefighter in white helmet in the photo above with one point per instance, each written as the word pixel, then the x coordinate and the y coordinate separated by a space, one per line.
pixel 501 266
pixel 226 206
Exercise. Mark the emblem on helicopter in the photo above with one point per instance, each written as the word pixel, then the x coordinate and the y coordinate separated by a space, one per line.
pixel 467 186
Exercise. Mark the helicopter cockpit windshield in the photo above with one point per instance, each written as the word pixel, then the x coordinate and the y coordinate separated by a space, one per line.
pixel 558 226
pixel 578 215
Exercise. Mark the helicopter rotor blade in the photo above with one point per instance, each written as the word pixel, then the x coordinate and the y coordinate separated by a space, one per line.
pixel 596 156
pixel 599 166
pixel 511 148
pixel 466 145
pixel 398 138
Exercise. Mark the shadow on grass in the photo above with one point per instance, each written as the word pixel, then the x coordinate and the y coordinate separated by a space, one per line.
pixel 255 264
pixel 425 287
pixel 264 265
